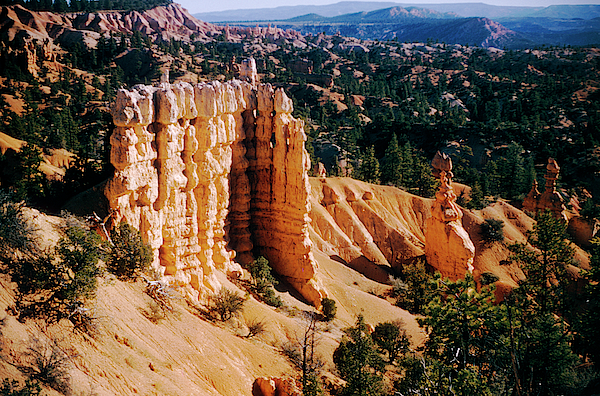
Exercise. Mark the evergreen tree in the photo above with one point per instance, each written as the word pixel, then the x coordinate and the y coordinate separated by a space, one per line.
pixel 358 362
pixel 540 336
pixel 588 324
pixel 392 163
pixel 369 168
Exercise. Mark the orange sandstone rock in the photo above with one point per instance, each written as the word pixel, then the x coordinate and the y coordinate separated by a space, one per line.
pixel 211 174
pixel 448 247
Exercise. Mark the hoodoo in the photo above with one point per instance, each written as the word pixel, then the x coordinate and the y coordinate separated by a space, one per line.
pixel 550 199
pixel 448 247
pixel 212 175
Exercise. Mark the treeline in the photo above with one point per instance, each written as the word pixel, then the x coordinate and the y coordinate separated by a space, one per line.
pixel 87 5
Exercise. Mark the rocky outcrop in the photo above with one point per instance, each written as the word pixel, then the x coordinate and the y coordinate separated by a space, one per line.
pixel 448 247
pixel 211 175
pixel 274 386
pixel 550 199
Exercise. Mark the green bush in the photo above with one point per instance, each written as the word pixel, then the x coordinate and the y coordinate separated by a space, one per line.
pixel 329 309
pixel 56 284
pixel 492 230
pixel 129 255
pixel 13 388
pixel 263 281
pixel 417 290
pixel 15 232
pixel 391 337
pixel 487 278
pixel 227 303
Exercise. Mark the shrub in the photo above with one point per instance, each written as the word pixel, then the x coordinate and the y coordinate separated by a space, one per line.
pixel 263 281
pixel 255 327
pixel 49 364
pixel 391 337
pixel 487 278
pixel 129 255
pixel 154 312
pixel 13 388
pixel 227 303
pixel 58 283
pixel 399 288
pixel 329 309
pixel 15 232
pixel 492 230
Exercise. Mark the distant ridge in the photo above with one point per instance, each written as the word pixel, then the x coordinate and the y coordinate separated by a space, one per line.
pixel 466 10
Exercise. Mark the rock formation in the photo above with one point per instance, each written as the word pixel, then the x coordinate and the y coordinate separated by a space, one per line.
pixel 448 247
pixel 550 199
pixel 211 174
pixel 274 386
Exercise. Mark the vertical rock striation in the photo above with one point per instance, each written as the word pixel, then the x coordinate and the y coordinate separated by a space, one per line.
pixel 448 247
pixel 211 174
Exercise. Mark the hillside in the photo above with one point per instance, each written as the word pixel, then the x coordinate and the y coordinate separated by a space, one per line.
pixel 183 353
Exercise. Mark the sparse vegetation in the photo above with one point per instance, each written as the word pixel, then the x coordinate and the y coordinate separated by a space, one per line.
pixel 492 230
pixel 129 256
pixel 48 363
pixel 226 303
pixel 14 388
pixel 256 327
pixel 329 309
pixel 161 293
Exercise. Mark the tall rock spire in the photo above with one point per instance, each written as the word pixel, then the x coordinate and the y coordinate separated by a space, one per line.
pixel 448 247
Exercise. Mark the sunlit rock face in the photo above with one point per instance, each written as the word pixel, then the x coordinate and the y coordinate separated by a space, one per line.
pixel 448 247
pixel 213 175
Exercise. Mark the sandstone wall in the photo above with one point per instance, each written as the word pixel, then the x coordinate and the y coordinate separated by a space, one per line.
pixel 211 174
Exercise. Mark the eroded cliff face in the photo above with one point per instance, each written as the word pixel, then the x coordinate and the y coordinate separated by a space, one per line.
pixel 211 175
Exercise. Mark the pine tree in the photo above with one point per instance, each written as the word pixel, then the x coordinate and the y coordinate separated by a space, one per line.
pixel 392 163
pixel 358 362
pixel 369 168
pixel 540 336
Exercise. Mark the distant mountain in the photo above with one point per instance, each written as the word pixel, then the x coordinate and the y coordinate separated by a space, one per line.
pixel 391 15
pixel 287 12
pixel 555 31
pixel 349 7
pixel 481 32
pixel 568 12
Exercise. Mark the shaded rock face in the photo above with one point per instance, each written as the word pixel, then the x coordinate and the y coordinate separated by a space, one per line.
pixel 550 199
pixel 211 174
pixel 448 247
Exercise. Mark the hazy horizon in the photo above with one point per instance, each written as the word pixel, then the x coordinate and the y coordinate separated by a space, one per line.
pixel 195 7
